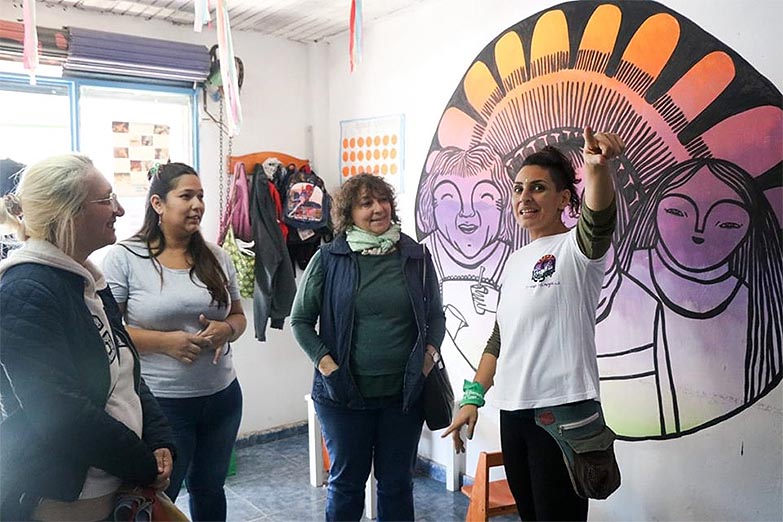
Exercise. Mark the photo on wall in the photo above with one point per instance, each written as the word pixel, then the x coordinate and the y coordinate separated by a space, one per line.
pixel 137 146
pixel 374 146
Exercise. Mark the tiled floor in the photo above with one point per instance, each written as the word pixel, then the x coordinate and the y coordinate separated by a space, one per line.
pixel 272 484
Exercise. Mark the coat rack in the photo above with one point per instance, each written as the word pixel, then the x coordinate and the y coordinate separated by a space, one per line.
pixel 251 160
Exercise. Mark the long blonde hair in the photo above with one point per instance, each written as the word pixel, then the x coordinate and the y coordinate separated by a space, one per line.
pixel 50 193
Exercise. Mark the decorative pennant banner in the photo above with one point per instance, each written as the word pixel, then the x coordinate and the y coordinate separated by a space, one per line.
pixel 355 41
pixel 201 17
pixel 30 57
pixel 228 70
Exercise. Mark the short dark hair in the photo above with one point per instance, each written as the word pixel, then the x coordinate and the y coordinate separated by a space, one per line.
pixel 562 171
pixel 351 191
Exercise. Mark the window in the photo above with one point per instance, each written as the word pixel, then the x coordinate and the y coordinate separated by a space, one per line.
pixel 124 128
pixel 36 120
pixel 125 131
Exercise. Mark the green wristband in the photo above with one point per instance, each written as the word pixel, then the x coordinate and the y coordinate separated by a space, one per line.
pixel 474 394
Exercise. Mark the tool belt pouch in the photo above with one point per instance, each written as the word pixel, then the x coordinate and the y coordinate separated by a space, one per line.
pixel 587 444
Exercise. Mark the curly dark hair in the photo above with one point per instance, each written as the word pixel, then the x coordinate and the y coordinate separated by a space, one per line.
pixel 205 267
pixel 351 191
pixel 562 171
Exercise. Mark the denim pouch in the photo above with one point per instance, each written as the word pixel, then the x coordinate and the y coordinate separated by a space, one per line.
pixel 587 444
pixel 132 506
pixel 137 504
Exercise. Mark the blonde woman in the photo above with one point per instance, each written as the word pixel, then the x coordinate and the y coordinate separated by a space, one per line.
pixel 80 420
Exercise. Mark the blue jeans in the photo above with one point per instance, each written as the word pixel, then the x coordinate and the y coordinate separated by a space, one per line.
pixel 383 435
pixel 205 429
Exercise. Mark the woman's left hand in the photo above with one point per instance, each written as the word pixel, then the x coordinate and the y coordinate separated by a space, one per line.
pixel 600 147
pixel 218 333
pixel 165 466
pixel 431 355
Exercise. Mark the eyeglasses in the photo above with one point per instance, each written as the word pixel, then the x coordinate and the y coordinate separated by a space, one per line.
pixel 111 200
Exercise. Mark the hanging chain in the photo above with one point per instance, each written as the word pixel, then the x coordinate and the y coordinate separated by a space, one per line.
pixel 230 155
pixel 222 201
pixel 230 148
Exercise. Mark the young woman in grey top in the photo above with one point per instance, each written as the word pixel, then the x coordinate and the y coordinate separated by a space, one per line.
pixel 182 307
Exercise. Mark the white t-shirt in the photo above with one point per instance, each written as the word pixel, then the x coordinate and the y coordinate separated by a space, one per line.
pixel 173 305
pixel 546 315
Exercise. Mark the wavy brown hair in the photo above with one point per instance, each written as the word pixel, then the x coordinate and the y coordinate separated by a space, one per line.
pixel 206 267
pixel 350 193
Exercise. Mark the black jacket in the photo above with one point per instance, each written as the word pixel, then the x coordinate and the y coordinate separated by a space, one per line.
pixel 55 361
pixel 275 286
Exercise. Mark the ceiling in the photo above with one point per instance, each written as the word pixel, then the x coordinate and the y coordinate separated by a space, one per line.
pixel 297 20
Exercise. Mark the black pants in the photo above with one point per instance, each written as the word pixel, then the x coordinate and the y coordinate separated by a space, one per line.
pixel 536 472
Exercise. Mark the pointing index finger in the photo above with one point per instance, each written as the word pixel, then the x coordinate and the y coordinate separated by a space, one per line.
pixel 591 144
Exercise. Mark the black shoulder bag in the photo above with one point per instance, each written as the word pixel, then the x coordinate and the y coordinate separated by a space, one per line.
pixel 438 395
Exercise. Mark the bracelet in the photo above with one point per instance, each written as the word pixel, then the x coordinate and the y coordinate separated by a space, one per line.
pixel 233 332
pixel 474 394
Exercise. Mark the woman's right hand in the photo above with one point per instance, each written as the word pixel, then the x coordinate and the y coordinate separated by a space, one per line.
pixel 466 416
pixel 185 347
pixel 165 467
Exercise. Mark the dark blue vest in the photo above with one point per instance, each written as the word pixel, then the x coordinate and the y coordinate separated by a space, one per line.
pixel 340 270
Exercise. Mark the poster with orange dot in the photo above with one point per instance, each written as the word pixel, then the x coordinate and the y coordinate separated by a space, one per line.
pixel 373 145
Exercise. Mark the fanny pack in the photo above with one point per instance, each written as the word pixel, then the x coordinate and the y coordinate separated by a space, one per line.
pixel 587 444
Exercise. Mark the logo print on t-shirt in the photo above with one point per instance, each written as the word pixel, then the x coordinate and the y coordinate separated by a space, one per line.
pixel 544 268
pixel 108 342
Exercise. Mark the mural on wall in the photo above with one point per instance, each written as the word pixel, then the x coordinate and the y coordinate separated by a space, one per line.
pixel 691 314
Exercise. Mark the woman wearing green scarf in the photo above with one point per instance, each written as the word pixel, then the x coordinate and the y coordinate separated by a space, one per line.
pixel 374 295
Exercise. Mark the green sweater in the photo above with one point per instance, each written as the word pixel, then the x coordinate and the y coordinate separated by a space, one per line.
pixel 384 329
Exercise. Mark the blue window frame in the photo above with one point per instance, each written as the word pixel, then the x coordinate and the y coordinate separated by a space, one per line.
pixel 72 88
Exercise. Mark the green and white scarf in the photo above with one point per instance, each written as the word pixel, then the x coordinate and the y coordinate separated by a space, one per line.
pixel 371 245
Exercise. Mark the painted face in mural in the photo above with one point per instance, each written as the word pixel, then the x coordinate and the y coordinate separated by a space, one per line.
pixel 467 212
pixel 372 214
pixel 538 205
pixel 702 222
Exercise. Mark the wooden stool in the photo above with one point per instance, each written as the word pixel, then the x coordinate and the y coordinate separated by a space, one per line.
pixel 488 499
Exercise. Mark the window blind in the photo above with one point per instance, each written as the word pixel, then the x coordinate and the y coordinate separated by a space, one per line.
pixel 109 55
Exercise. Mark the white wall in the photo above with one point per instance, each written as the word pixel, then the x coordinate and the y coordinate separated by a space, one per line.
pixel 294 98
pixel 274 375
pixel 413 61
